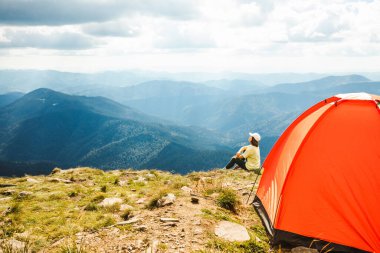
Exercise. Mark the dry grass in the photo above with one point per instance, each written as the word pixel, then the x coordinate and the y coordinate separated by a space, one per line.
pixel 57 210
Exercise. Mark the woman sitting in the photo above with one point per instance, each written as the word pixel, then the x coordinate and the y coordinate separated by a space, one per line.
pixel 248 157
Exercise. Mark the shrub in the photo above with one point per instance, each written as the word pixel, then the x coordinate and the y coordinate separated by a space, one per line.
pixel 72 194
pixel 98 198
pixel 103 188
pixel 55 171
pixel 228 200
pixel 91 207
pixel 56 196
pixel 108 222
pixel 73 247
pixel 126 215
pixel 113 208
pixel 250 246
pixel 15 208
pixel 153 203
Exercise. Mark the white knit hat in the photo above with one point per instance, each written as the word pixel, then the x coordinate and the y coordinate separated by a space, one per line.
pixel 256 136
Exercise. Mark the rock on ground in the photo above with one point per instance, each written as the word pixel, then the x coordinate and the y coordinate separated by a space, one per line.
pixel 110 201
pixel 231 231
pixel 32 180
pixel 131 221
pixel 166 200
pixel 8 192
pixel 25 194
pixel 187 189
pixel 59 180
pixel 5 199
pixel 125 207
pixel 303 250
pixel 13 245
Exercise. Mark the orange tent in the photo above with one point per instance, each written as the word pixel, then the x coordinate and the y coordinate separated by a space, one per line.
pixel 321 182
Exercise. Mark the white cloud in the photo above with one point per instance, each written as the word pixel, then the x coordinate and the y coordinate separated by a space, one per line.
pixel 43 40
pixel 180 34
pixel 111 29
pixel 184 36
pixel 47 12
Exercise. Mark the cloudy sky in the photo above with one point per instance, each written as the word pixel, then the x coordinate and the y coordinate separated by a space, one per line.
pixel 191 35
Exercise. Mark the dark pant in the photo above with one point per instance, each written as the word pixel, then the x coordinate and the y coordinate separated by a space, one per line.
pixel 238 161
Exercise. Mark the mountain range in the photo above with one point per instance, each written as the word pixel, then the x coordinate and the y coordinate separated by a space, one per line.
pixel 165 124
pixel 49 127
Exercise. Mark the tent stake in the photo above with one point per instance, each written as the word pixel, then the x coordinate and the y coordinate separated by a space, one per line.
pixel 253 186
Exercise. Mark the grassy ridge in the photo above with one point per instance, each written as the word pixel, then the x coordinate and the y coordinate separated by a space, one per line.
pixel 46 209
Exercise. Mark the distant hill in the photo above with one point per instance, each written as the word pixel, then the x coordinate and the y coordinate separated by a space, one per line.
pixel 161 98
pixel 155 89
pixel 318 85
pixel 8 98
pixel 269 110
pixel 176 125
pixel 237 86
pixel 68 82
pixel 49 127
pixel 369 87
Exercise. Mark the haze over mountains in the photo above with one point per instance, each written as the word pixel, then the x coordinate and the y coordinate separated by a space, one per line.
pixel 165 124
pixel 68 131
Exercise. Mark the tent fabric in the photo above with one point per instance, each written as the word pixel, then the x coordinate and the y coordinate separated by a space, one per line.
pixel 321 179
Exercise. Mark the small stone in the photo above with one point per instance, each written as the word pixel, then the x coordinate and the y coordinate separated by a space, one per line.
pixel 131 221
pixel 303 250
pixel 194 200
pixel 227 184
pixel 138 244
pixel 186 189
pixel 170 224
pixel 197 223
pixel 24 194
pixel 140 180
pixel 140 201
pixel 7 185
pixel 141 228
pixel 245 193
pixel 198 231
pixel 59 180
pixel 153 247
pixel 5 199
pixel 32 180
pixel 8 192
pixel 110 202
pixel 166 200
pixel 123 182
pixel 231 231
pixel 13 245
pixel 150 175
pixel 125 207
pixel 169 220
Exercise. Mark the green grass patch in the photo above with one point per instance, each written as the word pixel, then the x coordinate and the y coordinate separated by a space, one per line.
pixel 91 207
pixel 217 215
pixel 228 200
pixel 218 245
